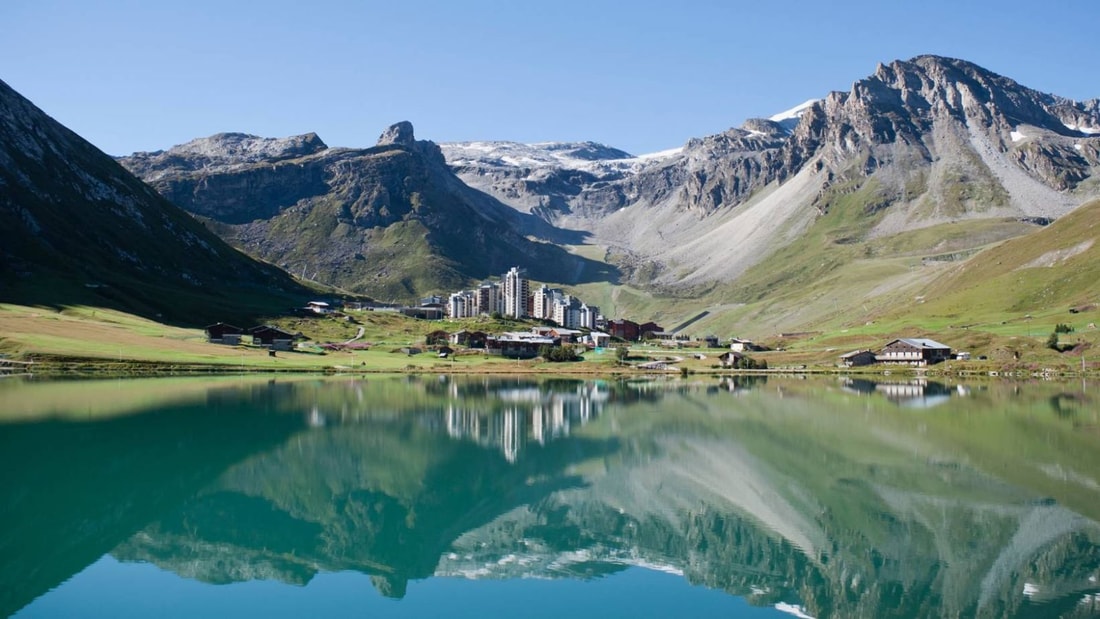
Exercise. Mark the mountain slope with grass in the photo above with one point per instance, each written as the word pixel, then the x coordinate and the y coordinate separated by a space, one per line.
pixel 786 223
pixel 77 229
pixel 391 220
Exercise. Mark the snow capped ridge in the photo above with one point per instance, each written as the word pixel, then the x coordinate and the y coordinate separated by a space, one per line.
pixel 794 112
pixel 788 119
pixel 585 156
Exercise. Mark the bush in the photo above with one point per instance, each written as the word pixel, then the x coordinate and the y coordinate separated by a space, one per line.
pixel 1052 341
pixel 559 354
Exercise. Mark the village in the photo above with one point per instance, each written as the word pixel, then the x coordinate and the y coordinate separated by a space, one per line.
pixel 563 322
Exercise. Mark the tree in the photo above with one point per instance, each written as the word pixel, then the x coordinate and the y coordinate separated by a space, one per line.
pixel 622 353
pixel 557 354
pixel 1052 342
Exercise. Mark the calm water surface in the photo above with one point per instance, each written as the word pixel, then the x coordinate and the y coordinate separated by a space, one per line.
pixel 435 496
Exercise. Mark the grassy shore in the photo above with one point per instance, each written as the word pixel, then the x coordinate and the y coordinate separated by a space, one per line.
pixel 94 341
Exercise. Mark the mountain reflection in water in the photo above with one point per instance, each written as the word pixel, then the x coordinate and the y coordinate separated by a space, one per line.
pixel 821 497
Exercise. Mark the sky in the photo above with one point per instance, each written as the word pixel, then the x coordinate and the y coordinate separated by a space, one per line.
pixel 638 75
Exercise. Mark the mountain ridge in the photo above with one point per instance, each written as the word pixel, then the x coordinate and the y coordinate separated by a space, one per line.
pixel 76 227
pixel 915 145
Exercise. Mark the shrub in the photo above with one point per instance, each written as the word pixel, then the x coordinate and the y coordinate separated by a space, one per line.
pixel 1052 342
pixel 558 354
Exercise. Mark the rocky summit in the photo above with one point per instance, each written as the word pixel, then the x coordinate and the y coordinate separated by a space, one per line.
pixel 923 142
pixel 392 220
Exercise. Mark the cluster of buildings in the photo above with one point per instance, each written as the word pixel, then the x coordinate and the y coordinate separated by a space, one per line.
pixel 513 297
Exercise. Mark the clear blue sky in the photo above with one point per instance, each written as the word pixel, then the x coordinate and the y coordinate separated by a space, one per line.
pixel 638 75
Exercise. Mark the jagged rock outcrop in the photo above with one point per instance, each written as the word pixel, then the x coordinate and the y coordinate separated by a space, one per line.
pixel 391 220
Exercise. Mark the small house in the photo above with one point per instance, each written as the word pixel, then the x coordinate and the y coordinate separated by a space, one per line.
pixel 567 336
pixel 731 359
pixel 599 340
pixel 857 358
pixel 319 307
pixel 271 337
pixel 914 351
pixel 221 333
pixel 740 345
pixel 518 345
pixel 711 341
pixel 439 336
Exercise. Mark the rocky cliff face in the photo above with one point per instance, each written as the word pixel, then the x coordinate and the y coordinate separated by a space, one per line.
pixel 391 220
pixel 916 144
pixel 71 215
pixel 928 140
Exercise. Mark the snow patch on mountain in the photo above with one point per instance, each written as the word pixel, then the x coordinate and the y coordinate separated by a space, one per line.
pixel 788 119
pixel 1083 129
pixel 591 157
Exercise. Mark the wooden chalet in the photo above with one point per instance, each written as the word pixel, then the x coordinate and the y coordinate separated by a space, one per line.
pixel 272 337
pixel 857 358
pixel 623 329
pixel 730 359
pixel 518 345
pixel 469 339
pixel 914 351
pixel 221 333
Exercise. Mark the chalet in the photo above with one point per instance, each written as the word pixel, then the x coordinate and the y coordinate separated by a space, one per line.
pixel 857 358
pixel 647 329
pixel 469 339
pixel 271 337
pixel 664 336
pixel 439 336
pixel 518 345
pixel 221 333
pixel 319 307
pixel 914 351
pixel 623 329
pixel 711 341
pixel 567 336
pixel 730 359
pixel 740 345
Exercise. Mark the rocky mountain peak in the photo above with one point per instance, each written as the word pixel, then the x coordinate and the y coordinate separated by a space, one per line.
pixel 398 133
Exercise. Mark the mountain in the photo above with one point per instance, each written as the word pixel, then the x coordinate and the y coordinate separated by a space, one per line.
pixel 392 220
pixel 923 142
pixel 76 227
pixel 767 225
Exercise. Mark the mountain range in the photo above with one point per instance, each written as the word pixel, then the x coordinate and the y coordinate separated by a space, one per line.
pixel 868 193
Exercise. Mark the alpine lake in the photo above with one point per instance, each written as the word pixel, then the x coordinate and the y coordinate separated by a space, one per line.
pixel 437 496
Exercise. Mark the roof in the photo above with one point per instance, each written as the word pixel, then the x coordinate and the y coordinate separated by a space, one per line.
pixel 854 353
pixel 923 343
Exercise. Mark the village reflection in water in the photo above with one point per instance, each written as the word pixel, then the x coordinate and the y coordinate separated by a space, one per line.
pixel 820 497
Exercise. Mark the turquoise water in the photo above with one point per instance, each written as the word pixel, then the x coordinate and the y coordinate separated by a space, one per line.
pixel 435 496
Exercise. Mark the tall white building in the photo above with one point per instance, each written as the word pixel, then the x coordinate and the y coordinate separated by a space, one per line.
pixel 462 304
pixel 488 299
pixel 567 312
pixel 588 316
pixel 515 290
